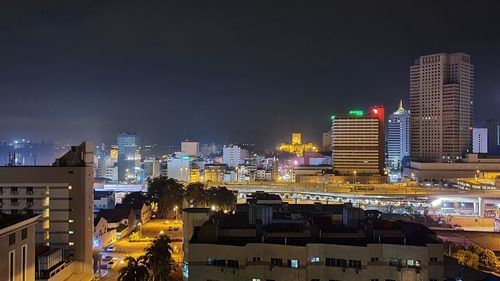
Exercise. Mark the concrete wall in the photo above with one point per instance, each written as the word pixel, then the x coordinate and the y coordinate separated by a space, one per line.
pixel 29 242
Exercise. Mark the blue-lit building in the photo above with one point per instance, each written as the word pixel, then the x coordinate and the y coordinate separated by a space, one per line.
pixel 128 156
pixel 398 138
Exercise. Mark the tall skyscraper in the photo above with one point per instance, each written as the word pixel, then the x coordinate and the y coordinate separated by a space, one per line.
pixel 128 155
pixel 493 136
pixel 358 142
pixel 233 155
pixel 398 137
pixel 63 195
pixel 480 140
pixel 441 106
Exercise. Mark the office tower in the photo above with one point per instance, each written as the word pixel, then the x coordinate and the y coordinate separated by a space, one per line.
pixel 179 168
pixel 358 142
pixel 63 195
pixel 151 168
pixel 398 137
pixel 190 148
pixel 128 155
pixel 441 106
pixel 493 136
pixel 480 140
pixel 233 155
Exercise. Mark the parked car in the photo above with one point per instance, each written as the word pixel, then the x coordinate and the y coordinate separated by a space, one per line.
pixel 107 258
pixel 458 227
pixel 112 263
pixel 111 247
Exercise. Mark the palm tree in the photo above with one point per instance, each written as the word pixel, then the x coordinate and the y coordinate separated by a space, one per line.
pixel 158 258
pixel 135 270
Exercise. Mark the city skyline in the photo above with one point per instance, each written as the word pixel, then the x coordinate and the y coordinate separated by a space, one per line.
pixel 259 64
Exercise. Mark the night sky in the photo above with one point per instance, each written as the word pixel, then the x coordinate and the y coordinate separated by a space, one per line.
pixel 224 71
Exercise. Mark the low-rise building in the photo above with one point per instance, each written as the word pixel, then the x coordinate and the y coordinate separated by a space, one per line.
pixel 17 241
pixel 269 240
pixel 121 219
pixel 102 235
pixel 103 200
pixel 215 172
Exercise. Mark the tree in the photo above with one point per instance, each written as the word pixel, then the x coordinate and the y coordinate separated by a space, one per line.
pixel 196 194
pixel 133 198
pixel 166 192
pixel 486 256
pixel 158 258
pixel 135 270
pixel 222 197
pixel 467 258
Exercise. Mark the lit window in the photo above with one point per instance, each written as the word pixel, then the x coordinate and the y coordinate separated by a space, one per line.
pixel 314 259
pixel 293 263
pixel 71 232
pixel 71 243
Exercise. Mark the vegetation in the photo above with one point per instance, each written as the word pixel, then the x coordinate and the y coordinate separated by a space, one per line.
pixel 166 192
pixel 158 258
pixel 155 265
pixel 473 256
pixel 467 258
pixel 133 198
pixel 135 270
pixel 199 195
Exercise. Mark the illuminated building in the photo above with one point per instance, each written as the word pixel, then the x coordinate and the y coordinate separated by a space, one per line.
pixel 63 195
pixel 327 141
pixel 233 155
pixel 358 142
pixel 190 148
pixel 398 137
pixel 215 172
pixel 179 168
pixel 194 174
pixel 114 152
pixel 151 168
pixel 441 106
pixel 128 155
pixel 480 140
pixel 297 147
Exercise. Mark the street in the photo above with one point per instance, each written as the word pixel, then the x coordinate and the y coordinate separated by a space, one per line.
pixel 151 229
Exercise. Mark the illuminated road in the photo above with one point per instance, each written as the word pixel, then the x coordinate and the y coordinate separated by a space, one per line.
pixel 125 248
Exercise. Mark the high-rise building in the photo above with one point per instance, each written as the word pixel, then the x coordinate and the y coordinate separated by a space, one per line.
pixel 398 137
pixel 63 195
pixel 327 141
pixel 441 106
pixel 358 142
pixel 190 148
pixel 128 155
pixel 480 140
pixel 233 155
pixel 493 136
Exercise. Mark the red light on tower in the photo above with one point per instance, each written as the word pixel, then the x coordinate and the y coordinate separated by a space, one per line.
pixel 375 110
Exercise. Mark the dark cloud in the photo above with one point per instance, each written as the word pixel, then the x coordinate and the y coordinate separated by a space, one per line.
pixel 224 70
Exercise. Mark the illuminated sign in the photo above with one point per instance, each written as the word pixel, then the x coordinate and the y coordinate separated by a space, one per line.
pixel 356 113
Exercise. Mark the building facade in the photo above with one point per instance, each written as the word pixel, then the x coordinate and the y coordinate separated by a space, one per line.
pixel 398 137
pixel 358 142
pixel 441 106
pixel 190 148
pixel 17 241
pixel 179 168
pixel 215 172
pixel 233 155
pixel 480 140
pixel 493 136
pixel 63 195
pixel 128 155
pixel 297 147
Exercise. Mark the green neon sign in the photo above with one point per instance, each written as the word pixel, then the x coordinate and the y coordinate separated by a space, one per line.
pixel 356 113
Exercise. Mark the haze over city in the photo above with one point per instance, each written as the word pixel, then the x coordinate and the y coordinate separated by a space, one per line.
pixel 224 71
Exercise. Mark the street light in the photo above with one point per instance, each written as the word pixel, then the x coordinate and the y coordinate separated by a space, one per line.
pixel 140 229
pixel 355 177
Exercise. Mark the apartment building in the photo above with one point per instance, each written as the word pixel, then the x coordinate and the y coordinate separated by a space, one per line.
pixel 62 194
pixel 269 240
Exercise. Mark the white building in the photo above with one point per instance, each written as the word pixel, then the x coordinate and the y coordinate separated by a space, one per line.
pixel 151 168
pixel 480 140
pixel 441 106
pixel 398 137
pixel 233 155
pixel 63 195
pixel 179 168
pixel 190 148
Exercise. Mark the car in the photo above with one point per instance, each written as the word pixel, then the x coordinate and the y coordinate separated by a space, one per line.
pixel 107 258
pixel 112 263
pixel 457 227
pixel 111 247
